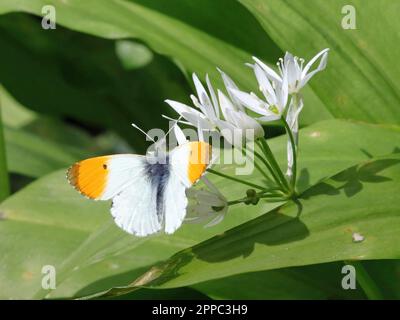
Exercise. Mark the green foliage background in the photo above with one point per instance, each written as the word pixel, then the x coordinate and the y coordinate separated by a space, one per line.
pixel 71 93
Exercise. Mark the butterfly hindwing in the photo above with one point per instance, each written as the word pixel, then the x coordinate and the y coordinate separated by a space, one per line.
pixel 135 208
pixel 175 203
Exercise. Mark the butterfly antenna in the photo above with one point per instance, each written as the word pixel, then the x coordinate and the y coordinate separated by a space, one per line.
pixel 177 120
pixel 142 131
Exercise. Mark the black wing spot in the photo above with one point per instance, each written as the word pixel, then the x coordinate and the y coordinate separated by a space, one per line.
pixel 104 166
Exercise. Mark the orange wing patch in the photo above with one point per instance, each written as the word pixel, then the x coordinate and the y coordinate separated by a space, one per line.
pixel 90 176
pixel 199 159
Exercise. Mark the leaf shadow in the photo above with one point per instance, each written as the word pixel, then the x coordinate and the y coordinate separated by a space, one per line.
pixel 352 180
pixel 270 229
pixel 276 228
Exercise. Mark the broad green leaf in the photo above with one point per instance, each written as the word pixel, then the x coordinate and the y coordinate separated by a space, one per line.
pixel 184 30
pixel 318 228
pixel 320 281
pixel 46 145
pixel 41 225
pixel 361 80
pixel 109 257
pixel 386 275
pixel 29 155
pixel 14 114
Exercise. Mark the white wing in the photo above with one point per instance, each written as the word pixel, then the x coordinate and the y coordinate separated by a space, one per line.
pixel 102 178
pixel 182 176
pixel 175 203
pixel 179 162
pixel 135 208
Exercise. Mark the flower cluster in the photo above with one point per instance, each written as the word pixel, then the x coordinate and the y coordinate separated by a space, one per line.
pixel 234 112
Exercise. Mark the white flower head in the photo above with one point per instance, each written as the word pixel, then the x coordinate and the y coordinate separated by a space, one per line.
pixel 292 119
pixel 205 204
pixel 275 94
pixel 237 126
pixel 220 113
pixel 207 109
pixel 293 68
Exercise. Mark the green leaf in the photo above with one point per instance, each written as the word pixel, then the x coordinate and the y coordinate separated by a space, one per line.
pixel 318 228
pixel 361 80
pixel 13 113
pixel 31 156
pixel 41 225
pixel 320 281
pixel 109 257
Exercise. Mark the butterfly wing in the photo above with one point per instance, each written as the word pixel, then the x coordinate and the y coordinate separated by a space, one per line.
pixel 135 208
pixel 124 179
pixel 102 178
pixel 188 162
pixel 175 203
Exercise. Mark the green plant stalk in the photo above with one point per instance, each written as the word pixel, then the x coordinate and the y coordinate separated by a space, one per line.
pixel 4 179
pixel 244 152
pixel 273 197
pixel 266 164
pixel 235 179
pixel 294 152
pixel 275 176
pixel 365 281
pixel 268 153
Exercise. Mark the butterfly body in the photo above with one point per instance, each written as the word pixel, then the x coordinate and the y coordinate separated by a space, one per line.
pixel 147 192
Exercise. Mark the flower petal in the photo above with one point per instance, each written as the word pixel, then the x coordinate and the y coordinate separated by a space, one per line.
pixel 190 114
pixel 322 64
pixel 216 220
pixel 264 83
pixel 271 73
pixel 180 136
pixel 213 96
pixel 205 103
pixel 229 85
pixel 250 101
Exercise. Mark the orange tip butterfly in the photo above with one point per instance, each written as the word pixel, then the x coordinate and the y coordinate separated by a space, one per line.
pixel 147 194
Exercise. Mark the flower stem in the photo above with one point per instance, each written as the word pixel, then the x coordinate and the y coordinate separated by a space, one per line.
pixel 268 153
pixel 265 162
pixel 294 153
pixel 235 179
pixel 244 152
pixel 4 179
pixel 273 197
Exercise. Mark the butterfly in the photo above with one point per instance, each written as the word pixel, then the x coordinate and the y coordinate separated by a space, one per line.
pixel 148 192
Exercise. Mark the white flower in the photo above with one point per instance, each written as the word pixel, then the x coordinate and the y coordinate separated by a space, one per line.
pixel 292 116
pixel 219 114
pixel 293 68
pixel 275 93
pixel 237 126
pixel 207 109
pixel 206 203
